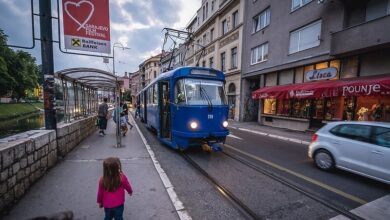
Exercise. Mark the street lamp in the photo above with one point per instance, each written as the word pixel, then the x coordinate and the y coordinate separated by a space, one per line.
pixel 117 96
pixel 116 45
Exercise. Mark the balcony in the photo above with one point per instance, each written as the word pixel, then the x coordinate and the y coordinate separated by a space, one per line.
pixel 361 38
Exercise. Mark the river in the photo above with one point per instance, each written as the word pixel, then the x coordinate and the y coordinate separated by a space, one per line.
pixel 25 123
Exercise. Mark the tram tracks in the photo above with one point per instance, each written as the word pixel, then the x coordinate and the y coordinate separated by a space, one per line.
pixel 244 209
pixel 295 187
pixel 238 204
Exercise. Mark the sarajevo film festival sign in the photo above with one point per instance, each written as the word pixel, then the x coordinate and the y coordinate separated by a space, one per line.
pixel 86 25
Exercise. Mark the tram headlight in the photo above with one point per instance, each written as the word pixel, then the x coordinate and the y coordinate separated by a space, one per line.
pixel 193 125
pixel 225 124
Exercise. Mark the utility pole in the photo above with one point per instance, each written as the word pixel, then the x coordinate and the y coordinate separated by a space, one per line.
pixel 47 63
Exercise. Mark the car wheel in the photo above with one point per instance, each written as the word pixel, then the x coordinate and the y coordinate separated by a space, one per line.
pixel 324 160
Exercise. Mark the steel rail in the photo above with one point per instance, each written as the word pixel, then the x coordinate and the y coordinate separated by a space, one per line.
pixel 285 182
pixel 244 209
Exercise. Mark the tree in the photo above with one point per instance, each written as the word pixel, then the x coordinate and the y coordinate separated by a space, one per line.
pixel 18 70
pixel 126 96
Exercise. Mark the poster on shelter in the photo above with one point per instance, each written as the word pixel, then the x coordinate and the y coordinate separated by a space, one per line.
pixel 86 25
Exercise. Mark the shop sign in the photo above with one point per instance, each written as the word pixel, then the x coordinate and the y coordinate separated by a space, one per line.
pixel 370 89
pixel 321 74
pixel 301 93
pixel 86 25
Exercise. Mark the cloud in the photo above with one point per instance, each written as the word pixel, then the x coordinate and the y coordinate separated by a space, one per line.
pixel 134 23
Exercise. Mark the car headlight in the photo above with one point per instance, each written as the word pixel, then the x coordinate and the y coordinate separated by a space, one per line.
pixel 194 125
pixel 225 124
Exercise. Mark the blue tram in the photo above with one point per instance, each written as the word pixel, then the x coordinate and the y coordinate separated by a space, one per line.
pixel 187 107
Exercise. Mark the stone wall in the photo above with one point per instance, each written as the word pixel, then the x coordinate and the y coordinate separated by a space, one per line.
pixel 70 135
pixel 23 161
pixel 26 157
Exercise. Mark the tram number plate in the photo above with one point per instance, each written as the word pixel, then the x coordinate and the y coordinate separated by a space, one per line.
pixel 210 116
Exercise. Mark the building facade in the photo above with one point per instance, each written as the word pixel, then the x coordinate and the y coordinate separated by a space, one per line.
pixel 217 35
pixel 135 85
pixel 171 62
pixel 308 62
pixel 149 70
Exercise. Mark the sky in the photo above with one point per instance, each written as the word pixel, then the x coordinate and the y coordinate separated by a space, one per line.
pixel 136 24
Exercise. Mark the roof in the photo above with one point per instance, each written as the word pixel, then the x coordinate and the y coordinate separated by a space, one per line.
pixel 90 77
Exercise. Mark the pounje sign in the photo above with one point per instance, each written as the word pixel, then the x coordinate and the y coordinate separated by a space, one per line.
pixel 86 25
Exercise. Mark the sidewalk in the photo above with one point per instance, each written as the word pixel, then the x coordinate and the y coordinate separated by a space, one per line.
pixel 280 133
pixel 72 183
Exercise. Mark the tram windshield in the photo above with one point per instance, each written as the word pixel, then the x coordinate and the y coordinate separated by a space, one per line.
pixel 199 92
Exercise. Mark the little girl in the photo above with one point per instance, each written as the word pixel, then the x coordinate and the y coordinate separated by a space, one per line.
pixel 111 191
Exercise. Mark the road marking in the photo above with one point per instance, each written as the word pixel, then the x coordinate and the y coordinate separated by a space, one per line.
pixel 234 136
pixel 273 136
pixel 308 179
pixel 180 209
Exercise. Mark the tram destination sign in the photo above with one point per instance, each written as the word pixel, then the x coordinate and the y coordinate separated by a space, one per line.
pixel 86 25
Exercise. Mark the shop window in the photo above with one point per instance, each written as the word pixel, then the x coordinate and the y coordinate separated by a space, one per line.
pixel 318 107
pixel 269 106
pixel 334 108
pixel 284 107
pixel 322 65
pixel 373 108
pixel 301 108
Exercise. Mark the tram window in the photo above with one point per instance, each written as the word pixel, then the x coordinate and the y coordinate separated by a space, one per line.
pixel 155 92
pixel 179 92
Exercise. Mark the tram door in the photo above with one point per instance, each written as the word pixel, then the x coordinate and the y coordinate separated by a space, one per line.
pixel 165 114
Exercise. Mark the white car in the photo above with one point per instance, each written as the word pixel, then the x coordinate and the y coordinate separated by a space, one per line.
pixel 359 147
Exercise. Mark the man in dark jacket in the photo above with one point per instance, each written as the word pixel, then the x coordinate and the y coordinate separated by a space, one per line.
pixel 102 114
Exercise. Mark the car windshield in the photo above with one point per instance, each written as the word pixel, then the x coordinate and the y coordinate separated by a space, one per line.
pixel 200 92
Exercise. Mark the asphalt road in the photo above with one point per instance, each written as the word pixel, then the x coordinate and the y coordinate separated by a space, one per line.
pixel 290 161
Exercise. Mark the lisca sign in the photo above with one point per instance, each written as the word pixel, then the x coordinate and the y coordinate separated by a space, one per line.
pixel 321 74
pixel 86 25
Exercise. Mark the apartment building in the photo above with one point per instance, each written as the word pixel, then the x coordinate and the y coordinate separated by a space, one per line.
pixel 135 87
pixel 149 70
pixel 217 35
pixel 308 62
pixel 171 62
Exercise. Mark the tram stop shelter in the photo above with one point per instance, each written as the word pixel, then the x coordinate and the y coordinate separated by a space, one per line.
pixel 80 87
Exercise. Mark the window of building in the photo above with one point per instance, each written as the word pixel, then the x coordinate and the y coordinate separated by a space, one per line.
pixel 235 19
pixel 211 34
pixel 224 27
pixel 259 53
pixel 211 60
pixel 207 9
pixel 269 106
pixel 261 21
pixel 212 5
pixel 305 38
pixel 155 74
pixel 204 39
pixel 223 61
pixel 377 8
pixel 204 63
pixel 298 3
pixel 234 58
pixel 204 12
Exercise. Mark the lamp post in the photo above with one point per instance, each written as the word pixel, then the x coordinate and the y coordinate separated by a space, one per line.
pixel 117 97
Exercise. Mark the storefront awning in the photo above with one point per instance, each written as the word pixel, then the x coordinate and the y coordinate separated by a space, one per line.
pixel 363 86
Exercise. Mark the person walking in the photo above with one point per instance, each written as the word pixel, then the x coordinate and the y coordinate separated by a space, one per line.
pixel 126 112
pixel 111 190
pixel 103 116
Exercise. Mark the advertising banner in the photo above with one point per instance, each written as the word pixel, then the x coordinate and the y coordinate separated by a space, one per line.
pixel 86 25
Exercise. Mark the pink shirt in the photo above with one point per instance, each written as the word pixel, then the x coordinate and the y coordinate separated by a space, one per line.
pixel 113 199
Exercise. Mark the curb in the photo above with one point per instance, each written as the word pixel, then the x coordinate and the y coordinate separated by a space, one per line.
pixel 274 136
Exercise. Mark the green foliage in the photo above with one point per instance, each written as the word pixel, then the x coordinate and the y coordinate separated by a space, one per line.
pixel 18 71
pixel 126 96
